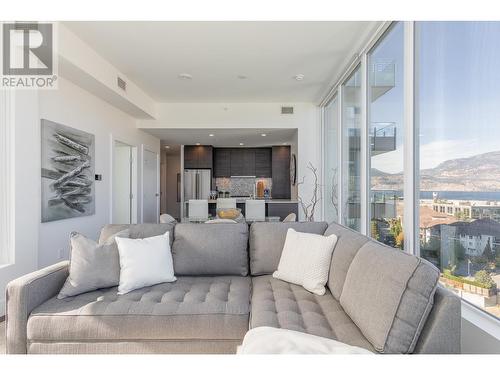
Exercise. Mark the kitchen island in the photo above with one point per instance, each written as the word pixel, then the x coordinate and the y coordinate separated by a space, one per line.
pixel 274 207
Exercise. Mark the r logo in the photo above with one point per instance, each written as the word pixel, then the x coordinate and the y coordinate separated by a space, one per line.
pixel 35 57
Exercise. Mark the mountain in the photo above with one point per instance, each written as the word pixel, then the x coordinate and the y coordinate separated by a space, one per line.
pixel 476 173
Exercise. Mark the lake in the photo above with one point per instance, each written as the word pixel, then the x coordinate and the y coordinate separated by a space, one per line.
pixel 455 195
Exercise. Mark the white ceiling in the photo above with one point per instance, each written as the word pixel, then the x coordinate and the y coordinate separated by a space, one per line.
pixel 270 54
pixel 224 137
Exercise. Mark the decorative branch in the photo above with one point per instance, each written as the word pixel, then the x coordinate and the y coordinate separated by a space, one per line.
pixel 334 196
pixel 309 207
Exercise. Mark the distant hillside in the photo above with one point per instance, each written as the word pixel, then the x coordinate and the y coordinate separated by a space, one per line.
pixel 476 173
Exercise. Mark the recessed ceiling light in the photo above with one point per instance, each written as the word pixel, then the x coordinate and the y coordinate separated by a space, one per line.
pixel 299 77
pixel 210 135
pixel 241 76
pixel 198 143
pixel 263 134
pixel 167 146
pixel 185 76
pixel 242 144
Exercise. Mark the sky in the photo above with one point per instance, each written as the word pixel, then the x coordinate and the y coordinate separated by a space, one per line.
pixel 458 92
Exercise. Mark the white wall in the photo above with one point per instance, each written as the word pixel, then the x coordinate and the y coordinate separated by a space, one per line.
pixel 79 63
pixel 72 106
pixel 40 244
pixel 251 115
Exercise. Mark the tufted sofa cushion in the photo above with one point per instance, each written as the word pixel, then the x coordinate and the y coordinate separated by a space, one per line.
pixel 207 249
pixel 267 240
pixel 279 304
pixel 192 308
pixel 137 230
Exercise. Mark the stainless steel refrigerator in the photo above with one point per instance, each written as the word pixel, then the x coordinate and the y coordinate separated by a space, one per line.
pixel 197 184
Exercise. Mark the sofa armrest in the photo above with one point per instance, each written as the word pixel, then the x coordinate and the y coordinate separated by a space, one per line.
pixel 442 331
pixel 25 294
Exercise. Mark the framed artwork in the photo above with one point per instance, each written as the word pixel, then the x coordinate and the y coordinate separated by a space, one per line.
pixel 67 172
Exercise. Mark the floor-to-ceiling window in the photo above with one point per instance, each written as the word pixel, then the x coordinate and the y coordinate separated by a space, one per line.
pixel 459 124
pixel 331 148
pixel 7 179
pixel 454 117
pixel 351 150
pixel 386 136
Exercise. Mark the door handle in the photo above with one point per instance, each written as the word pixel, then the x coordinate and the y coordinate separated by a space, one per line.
pixel 197 183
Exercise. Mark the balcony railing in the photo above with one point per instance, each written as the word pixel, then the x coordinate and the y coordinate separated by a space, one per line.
pixel 382 138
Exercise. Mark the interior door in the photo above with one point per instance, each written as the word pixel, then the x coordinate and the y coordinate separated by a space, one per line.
pixel 150 194
pixel 122 180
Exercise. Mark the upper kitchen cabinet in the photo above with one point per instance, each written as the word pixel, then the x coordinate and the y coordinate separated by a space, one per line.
pixel 198 157
pixel 281 172
pixel 242 162
pixel 222 162
pixel 263 161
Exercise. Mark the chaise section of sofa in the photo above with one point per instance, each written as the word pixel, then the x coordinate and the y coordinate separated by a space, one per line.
pixel 379 298
pixel 279 304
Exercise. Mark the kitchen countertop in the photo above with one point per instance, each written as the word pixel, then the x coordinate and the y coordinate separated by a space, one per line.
pixel 242 200
pixel 268 201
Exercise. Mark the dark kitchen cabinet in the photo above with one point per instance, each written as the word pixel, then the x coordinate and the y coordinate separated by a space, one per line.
pixel 198 157
pixel 263 160
pixel 222 162
pixel 190 157
pixel 242 162
pixel 281 172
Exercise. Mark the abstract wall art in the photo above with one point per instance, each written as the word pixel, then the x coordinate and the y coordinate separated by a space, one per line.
pixel 67 172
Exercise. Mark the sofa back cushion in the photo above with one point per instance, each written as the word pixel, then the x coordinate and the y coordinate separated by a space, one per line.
pixel 388 294
pixel 348 244
pixel 207 249
pixel 137 231
pixel 267 240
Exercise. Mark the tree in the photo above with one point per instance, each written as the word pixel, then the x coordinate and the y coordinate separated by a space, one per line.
pixel 459 250
pixel 484 277
pixel 400 240
pixel 396 230
pixel 487 253
pixel 374 229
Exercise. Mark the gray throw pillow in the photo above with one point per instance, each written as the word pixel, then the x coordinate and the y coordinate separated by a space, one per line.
pixel 92 266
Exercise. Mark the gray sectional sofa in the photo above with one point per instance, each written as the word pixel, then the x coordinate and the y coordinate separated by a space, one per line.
pixel 377 298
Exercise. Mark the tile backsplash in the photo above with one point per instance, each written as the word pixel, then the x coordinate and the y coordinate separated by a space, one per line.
pixel 241 186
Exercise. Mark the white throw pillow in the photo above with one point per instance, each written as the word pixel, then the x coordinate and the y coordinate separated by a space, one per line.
pixel 305 260
pixel 144 262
